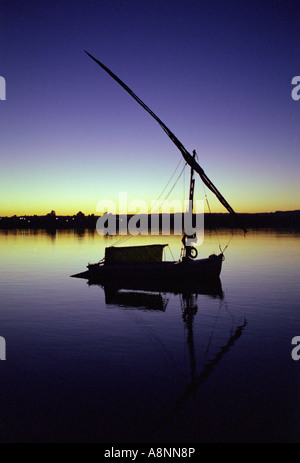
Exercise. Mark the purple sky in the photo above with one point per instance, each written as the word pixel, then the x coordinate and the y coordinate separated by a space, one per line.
pixel 218 73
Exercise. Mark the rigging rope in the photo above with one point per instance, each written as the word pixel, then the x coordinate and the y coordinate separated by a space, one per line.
pixel 171 252
pixel 170 191
pixel 181 160
pixel 215 231
pixel 209 209
pixel 124 238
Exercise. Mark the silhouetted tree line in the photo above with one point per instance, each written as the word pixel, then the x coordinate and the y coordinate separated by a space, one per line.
pixel 275 220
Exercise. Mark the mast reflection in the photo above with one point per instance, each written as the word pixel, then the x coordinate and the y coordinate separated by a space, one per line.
pixel 154 297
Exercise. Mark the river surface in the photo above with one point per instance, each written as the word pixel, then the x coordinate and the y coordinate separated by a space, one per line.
pixel 83 365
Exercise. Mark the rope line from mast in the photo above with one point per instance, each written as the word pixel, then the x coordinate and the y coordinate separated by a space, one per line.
pixel 209 209
pixel 157 200
pixel 125 238
pixel 170 191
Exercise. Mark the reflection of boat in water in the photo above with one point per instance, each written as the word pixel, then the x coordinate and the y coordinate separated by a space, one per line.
pixel 151 294
pixel 145 262
pixel 154 298
pixel 198 378
pixel 151 297
pixel 136 300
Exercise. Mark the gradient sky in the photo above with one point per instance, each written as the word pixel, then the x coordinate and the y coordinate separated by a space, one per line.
pixel 218 73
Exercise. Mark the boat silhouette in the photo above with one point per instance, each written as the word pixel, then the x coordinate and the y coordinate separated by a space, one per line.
pixel 143 263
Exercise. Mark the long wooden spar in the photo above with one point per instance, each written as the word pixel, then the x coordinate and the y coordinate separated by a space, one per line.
pixel 186 155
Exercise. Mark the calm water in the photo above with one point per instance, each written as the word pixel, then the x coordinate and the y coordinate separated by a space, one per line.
pixel 83 366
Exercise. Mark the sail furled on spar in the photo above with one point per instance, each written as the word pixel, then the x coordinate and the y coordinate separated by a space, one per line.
pixel 186 155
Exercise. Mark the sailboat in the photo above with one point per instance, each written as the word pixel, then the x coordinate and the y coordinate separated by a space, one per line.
pixel 145 263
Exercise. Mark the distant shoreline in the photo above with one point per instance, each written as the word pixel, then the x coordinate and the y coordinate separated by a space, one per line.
pixel 275 220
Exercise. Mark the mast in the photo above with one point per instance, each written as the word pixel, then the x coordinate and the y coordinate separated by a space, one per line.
pixel 186 155
pixel 192 186
pixel 189 252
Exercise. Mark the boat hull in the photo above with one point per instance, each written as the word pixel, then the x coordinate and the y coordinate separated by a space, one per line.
pixel 179 274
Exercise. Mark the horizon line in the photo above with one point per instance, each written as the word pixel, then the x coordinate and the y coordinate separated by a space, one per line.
pixel 82 214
